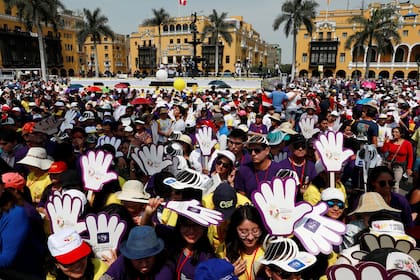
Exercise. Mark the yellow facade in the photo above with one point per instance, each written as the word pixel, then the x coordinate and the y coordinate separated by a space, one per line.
pixel 332 28
pixel 246 46
pixel 112 55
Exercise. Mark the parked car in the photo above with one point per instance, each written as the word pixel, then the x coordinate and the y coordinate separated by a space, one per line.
pixel 219 84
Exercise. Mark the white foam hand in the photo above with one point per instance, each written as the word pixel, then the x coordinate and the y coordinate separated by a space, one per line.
pixel 150 159
pixel 95 170
pixel 113 141
pixel 105 233
pixel 367 271
pixel 307 127
pixel 280 156
pixel 330 148
pixel 64 211
pixel 275 201
pixel 319 233
pixel 205 141
pixel 68 120
pixel 194 211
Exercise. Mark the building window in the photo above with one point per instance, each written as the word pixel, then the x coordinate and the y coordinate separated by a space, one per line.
pixel 106 48
pixel 105 39
pixel 342 57
pixel 320 35
pixel 227 59
pixel 150 43
pixel 106 55
pixel 344 35
pixel 304 57
pixel 178 41
pixel 305 36
pixel 171 41
pixel 405 33
pixel 171 28
pixel 186 40
pixel 329 35
pixel 91 47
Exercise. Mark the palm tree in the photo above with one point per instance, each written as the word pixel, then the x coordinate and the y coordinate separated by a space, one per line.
pixel 94 26
pixel 218 27
pixel 33 13
pixel 294 14
pixel 381 27
pixel 159 17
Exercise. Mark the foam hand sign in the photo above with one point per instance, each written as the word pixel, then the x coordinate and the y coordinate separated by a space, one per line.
pixel 63 212
pixel 275 201
pixel 367 271
pixel 307 127
pixel 105 233
pixel 205 141
pixel 150 159
pixel 330 148
pixel 113 141
pixel 280 156
pixel 68 120
pixel 194 211
pixel 95 170
pixel 319 233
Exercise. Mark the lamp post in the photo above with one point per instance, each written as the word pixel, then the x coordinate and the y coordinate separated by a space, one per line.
pixel 418 72
pixel 92 61
pixel 194 43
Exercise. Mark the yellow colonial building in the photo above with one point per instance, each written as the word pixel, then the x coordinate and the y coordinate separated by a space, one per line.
pixel 176 52
pixel 324 54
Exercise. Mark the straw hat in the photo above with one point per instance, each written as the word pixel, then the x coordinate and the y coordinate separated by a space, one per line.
pixel 37 157
pixel 276 117
pixel 371 202
pixel 286 127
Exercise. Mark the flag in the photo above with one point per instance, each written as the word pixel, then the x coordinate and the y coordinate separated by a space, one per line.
pixel 183 2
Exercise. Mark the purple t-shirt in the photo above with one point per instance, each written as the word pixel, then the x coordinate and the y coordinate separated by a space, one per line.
pixel 247 178
pixel 119 270
pixel 309 169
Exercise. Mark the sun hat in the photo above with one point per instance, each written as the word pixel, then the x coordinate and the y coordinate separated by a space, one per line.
pixel 225 199
pixel 257 139
pixel 275 137
pixel 243 127
pixel 371 202
pixel 142 243
pixel 185 139
pixel 133 190
pixel 276 117
pixel 284 253
pixel 332 193
pixel 57 167
pixel 37 157
pixel 215 269
pixel 382 116
pixel 13 180
pixel 335 113
pixel 287 127
pixel 228 154
pixel 67 247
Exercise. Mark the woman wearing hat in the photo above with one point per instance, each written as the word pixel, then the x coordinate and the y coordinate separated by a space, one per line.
pixel 223 169
pixel 142 257
pixel 71 257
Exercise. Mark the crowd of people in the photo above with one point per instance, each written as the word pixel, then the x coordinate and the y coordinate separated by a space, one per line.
pixel 216 147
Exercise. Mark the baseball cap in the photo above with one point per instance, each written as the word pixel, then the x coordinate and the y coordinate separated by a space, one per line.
pixel 67 247
pixel 215 269
pixel 13 180
pixel 57 167
pixel 225 199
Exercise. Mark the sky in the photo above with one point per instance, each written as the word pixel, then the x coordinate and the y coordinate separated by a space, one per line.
pixel 125 15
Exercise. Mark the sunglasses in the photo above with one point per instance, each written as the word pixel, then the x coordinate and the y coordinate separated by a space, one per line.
pixel 298 145
pixel 383 183
pixel 331 203
pixel 256 150
pixel 224 164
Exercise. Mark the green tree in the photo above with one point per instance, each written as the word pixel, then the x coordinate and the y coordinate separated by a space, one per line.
pixel 381 28
pixel 94 26
pixel 217 27
pixel 159 18
pixel 33 14
pixel 294 14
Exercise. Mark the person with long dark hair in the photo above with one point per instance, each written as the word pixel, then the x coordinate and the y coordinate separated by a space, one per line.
pixel 244 239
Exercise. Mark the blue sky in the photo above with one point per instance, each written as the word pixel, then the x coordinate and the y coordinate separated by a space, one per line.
pixel 125 15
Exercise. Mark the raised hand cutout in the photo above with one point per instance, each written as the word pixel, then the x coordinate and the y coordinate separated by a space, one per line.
pixel 205 141
pixel 194 211
pixel 307 127
pixel 276 202
pixel 95 170
pixel 330 148
pixel 150 159
pixel 64 211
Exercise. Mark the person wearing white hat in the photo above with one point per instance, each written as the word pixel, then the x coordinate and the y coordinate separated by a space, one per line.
pixel 38 179
pixel 134 197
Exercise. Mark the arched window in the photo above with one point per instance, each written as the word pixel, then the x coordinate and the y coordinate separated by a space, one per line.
pixel 171 28
pixel 178 28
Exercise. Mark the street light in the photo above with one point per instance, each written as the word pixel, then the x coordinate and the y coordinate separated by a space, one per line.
pixel 194 43
pixel 418 72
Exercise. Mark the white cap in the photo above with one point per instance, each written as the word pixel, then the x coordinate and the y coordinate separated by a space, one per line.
pixel 332 193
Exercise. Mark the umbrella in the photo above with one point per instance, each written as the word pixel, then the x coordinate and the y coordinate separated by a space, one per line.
pixel 141 101
pixel 75 86
pixel 364 101
pixel 120 85
pixel 368 84
pixel 94 89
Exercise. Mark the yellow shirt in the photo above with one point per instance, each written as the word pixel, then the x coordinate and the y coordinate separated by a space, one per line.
pixel 253 263
pixel 312 194
pixel 37 185
pixel 99 269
